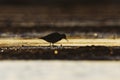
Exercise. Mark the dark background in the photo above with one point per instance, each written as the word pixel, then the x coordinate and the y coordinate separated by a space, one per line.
pixel 54 2
pixel 44 15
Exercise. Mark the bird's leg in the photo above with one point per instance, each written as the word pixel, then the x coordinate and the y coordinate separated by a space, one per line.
pixel 52 44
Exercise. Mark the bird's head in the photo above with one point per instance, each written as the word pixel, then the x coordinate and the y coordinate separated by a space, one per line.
pixel 64 37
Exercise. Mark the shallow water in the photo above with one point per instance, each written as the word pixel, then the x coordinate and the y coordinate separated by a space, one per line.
pixel 59 70
pixel 70 42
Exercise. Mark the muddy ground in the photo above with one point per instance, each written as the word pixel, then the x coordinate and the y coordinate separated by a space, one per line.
pixel 60 53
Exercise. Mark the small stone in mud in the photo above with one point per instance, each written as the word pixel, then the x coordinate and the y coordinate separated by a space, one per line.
pixel 55 51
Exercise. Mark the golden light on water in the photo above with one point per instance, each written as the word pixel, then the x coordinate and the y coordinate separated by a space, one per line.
pixel 71 42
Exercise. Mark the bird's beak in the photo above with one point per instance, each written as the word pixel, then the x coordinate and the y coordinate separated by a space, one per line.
pixel 66 39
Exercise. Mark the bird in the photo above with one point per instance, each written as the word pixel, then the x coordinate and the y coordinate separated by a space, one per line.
pixel 54 37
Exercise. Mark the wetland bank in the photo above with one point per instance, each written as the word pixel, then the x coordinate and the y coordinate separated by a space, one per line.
pixel 74 49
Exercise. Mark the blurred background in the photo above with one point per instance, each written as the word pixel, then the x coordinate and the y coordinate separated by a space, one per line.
pixel 93 25
pixel 76 18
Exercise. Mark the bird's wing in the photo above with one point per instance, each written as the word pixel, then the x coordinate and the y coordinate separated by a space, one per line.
pixel 55 34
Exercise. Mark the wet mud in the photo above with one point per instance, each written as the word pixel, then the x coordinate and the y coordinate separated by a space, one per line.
pixel 60 53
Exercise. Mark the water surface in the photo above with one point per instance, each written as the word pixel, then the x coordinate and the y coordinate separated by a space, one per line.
pixel 70 42
pixel 59 70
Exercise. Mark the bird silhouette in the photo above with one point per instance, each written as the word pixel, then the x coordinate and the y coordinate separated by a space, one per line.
pixel 53 38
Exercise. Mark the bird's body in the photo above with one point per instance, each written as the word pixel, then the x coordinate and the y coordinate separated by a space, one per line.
pixel 54 37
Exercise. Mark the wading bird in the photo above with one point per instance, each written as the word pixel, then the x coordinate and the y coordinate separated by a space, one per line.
pixel 54 37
